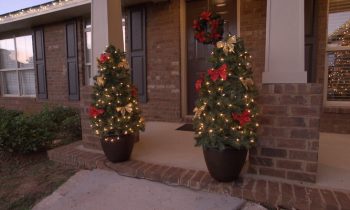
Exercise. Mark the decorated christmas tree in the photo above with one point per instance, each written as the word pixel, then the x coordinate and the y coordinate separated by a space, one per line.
pixel 226 112
pixel 114 111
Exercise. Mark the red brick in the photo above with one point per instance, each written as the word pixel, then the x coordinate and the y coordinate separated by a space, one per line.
pixel 274 194
pixel 273 172
pixel 261 191
pixel 291 121
pixel 303 155
pixel 261 161
pixel 305 111
pixel 270 152
pixel 300 176
pixel 274 110
pixel 331 202
pixel 291 143
pixel 305 133
pixel 293 100
pixel 343 200
pixel 288 164
pixel 311 167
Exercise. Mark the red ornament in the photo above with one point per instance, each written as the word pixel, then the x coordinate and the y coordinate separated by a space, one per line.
pixel 199 82
pixel 94 112
pixel 243 118
pixel 104 57
pixel 220 72
pixel 134 91
pixel 205 15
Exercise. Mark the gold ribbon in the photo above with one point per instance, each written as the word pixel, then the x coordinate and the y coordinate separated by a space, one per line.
pixel 198 111
pixel 123 64
pixel 227 46
pixel 247 82
pixel 124 109
pixel 100 81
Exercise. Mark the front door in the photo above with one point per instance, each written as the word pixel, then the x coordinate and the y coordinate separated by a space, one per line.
pixel 198 53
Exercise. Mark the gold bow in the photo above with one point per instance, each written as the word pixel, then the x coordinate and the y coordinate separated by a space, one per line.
pixel 198 111
pixel 247 82
pixel 100 81
pixel 124 109
pixel 227 46
pixel 123 64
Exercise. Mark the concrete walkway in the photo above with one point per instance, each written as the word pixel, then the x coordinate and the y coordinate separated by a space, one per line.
pixel 104 190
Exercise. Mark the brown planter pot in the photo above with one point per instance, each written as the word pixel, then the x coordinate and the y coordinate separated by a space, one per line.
pixel 118 150
pixel 225 165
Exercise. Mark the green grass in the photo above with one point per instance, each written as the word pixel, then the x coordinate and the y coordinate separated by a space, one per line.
pixel 26 179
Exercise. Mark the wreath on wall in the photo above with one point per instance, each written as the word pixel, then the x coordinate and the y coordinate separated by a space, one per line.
pixel 209 27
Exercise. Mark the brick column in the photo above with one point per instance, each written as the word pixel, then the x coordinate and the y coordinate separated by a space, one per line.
pixel 90 139
pixel 289 133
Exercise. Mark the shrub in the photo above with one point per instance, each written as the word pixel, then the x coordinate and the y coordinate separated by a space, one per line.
pixel 23 133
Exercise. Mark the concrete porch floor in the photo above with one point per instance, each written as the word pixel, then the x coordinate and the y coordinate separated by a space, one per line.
pixel 162 144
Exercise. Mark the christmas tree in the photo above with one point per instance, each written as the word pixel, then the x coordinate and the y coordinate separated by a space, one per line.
pixel 114 111
pixel 226 112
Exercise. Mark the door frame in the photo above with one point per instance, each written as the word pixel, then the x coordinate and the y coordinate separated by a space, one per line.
pixel 183 52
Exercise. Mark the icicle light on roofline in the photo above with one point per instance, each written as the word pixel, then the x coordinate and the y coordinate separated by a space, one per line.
pixel 35 9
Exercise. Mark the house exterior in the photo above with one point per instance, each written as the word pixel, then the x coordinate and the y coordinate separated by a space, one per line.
pixel 291 58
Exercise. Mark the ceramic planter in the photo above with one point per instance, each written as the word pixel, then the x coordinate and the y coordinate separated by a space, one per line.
pixel 118 150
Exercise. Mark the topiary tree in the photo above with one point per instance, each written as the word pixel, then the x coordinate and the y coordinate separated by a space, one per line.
pixel 114 111
pixel 225 113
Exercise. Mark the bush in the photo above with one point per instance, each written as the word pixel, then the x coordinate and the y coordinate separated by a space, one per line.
pixel 22 133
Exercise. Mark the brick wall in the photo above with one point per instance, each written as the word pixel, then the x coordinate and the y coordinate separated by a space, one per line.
pixel 289 132
pixel 56 71
pixel 163 62
pixel 253 31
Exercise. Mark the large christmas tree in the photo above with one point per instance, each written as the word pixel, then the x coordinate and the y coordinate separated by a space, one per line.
pixel 114 111
pixel 226 112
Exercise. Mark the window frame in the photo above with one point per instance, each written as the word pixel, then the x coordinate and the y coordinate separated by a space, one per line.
pixel 88 75
pixel 326 102
pixel 17 70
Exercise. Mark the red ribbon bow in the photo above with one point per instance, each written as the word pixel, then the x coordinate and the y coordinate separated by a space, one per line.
pixel 220 72
pixel 243 118
pixel 205 15
pixel 94 112
pixel 199 82
pixel 104 57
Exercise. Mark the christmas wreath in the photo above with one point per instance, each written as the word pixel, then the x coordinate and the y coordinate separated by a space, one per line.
pixel 209 27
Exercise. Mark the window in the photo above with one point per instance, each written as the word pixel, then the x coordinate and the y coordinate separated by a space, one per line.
pixel 17 67
pixel 88 51
pixel 338 53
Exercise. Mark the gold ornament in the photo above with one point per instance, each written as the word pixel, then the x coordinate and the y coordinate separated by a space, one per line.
pixel 100 81
pixel 227 46
pixel 198 111
pixel 124 109
pixel 123 64
pixel 247 82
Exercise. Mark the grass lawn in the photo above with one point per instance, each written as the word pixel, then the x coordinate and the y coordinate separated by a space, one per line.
pixel 26 179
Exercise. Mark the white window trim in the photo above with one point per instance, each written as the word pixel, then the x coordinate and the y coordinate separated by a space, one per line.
pixel 327 103
pixel 20 92
pixel 88 78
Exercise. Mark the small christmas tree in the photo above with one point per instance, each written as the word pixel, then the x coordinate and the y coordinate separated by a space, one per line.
pixel 225 113
pixel 114 111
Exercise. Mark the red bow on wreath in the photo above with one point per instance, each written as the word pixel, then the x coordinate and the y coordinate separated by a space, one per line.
pixel 220 72
pixel 243 118
pixel 205 15
pixel 94 112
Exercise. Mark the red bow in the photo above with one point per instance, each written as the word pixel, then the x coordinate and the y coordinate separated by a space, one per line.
pixel 205 15
pixel 104 57
pixel 134 91
pixel 195 24
pixel 220 72
pixel 199 82
pixel 243 118
pixel 93 112
pixel 200 36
